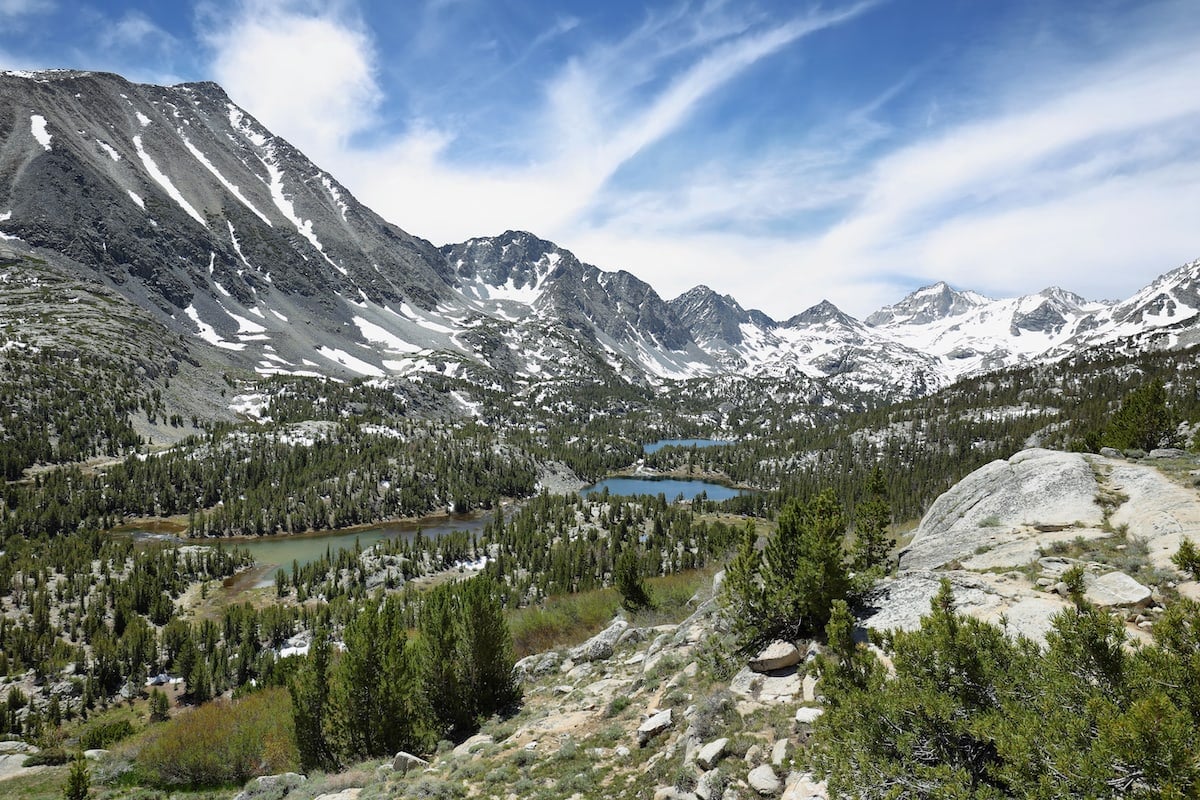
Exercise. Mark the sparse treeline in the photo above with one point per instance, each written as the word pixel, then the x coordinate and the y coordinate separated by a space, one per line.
pixel 292 478
pixel 55 410
pixel 925 445
pixel 101 610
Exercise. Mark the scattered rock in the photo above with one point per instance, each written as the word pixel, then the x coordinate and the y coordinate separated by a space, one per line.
pixel 344 794
pixel 403 762
pixel 1116 590
pixel 711 753
pixel 777 655
pixel 805 788
pixel 763 780
pixel 537 665
pixel 1166 452
pixel 807 715
pixel 1110 452
pixel 96 754
pixel 779 753
pixel 472 744
pixel 671 793
pixel 766 688
pixel 601 645
pixel 708 787
pixel 653 726
pixel 271 785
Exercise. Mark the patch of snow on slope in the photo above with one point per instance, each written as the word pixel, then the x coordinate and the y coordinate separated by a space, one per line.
pixel 237 246
pixel 6 216
pixel 407 311
pixel 37 125
pixel 252 405
pixel 161 178
pixel 234 190
pixel 378 335
pixel 335 194
pixel 107 148
pixel 208 333
pixel 245 326
pixel 137 198
pixel 350 362
pixel 142 118
pixel 237 121
pixel 303 226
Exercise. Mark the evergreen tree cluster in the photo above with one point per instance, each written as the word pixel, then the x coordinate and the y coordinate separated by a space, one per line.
pixel 390 691
pixel 971 713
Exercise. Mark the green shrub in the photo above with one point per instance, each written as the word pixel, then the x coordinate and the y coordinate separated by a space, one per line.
pixel 99 736
pixel 223 744
pixel 46 758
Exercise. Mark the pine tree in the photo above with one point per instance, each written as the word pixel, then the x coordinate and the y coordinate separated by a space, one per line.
pixel 788 590
pixel 1143 421
pixel 629 583
pixel 443 674
pixel 487 649
pixel 78 781
pixel 872 516
pixel 159 706
pixel 310 699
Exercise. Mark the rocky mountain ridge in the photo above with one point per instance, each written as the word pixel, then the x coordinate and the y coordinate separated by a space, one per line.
pixel 186 206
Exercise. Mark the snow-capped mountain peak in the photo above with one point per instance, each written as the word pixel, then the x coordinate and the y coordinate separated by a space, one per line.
pixel 927 304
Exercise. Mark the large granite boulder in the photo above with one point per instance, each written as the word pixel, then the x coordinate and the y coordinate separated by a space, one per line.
pixel 1116 590
pixel 1035 489
pixel 776 655
pixel 601 645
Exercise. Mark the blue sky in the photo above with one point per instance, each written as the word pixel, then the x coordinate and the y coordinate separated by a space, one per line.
pixel 779 151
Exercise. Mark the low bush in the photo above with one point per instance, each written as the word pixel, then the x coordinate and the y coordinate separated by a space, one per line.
pixel 99 736
pixel 223 744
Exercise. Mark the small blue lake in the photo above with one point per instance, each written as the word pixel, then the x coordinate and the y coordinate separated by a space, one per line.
pixel 670 487
pixel 659 445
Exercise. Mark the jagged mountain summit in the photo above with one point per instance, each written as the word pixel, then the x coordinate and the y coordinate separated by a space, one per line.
pixel 184 205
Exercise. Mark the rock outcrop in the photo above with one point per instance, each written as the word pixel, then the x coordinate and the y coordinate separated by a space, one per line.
pixel 1025 501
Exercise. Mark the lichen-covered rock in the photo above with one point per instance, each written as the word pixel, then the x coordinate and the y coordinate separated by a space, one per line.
pixel 601 645
pixel 653 726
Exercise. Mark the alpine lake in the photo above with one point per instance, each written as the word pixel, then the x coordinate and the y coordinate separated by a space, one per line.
pixel 275 552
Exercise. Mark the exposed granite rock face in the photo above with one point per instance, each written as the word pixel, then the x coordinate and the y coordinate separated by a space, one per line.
pixel 902 601
pixel 1038 488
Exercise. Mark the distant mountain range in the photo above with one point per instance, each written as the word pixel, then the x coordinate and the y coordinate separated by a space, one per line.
pixel 184 205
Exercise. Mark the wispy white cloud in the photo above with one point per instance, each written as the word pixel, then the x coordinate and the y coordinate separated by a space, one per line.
pixel 980 202
pixel 21 8
pixel 598 111
pixel 308 74
pixel 135 30
pixel 1076 172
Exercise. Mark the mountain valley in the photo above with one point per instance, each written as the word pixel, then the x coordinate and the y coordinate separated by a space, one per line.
pixel 205 338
